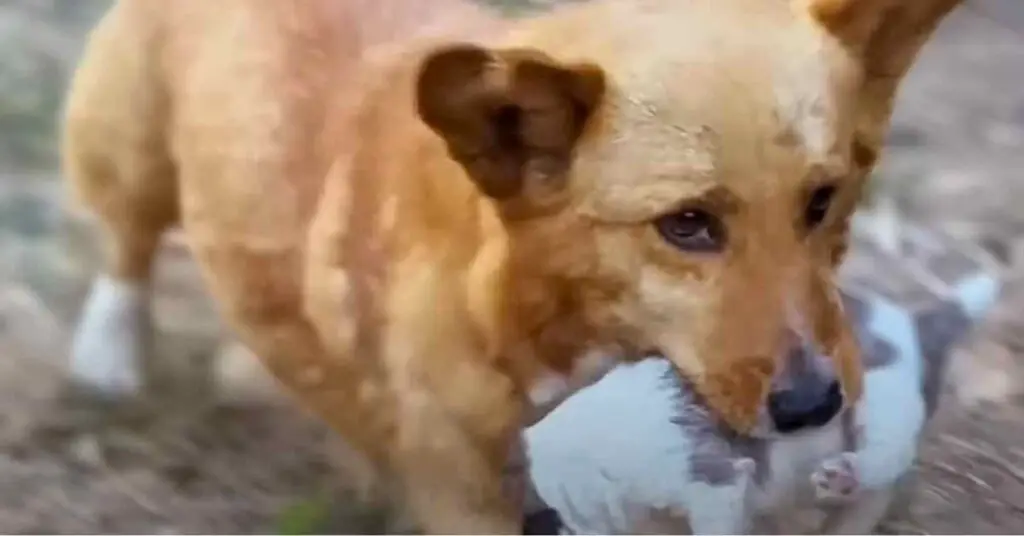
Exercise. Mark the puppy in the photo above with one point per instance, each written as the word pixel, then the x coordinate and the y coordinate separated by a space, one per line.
pixel 611 460
pixel 614 460
pixel 427 231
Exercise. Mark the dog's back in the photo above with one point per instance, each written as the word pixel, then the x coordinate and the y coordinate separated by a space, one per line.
pixel 233 98
pixel 239 91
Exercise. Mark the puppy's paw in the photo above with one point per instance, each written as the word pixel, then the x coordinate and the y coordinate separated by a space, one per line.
pixel 744 469
pixel 835 479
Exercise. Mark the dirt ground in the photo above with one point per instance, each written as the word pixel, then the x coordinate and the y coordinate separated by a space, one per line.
pixel 249 462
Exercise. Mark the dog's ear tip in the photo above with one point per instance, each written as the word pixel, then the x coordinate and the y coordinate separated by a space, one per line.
pixel 591 83
pixel 826 11
pixel 851 20
pixel 450 55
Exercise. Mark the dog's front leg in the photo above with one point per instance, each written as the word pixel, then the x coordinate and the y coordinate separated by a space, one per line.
pixel 453 461
pixel 453 488
pixel 515 482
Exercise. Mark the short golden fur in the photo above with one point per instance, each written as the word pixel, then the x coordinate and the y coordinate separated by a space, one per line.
pixel 412 211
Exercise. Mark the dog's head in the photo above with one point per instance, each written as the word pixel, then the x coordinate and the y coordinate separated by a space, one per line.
pixel 679 176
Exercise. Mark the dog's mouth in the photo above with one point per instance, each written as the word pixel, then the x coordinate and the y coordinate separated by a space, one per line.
pixel 806 401
pixel 652 353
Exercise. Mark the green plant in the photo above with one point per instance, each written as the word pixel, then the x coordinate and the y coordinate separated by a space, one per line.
pixel 307 516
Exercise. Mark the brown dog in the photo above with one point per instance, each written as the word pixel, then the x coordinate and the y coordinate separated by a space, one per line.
pixel 422 238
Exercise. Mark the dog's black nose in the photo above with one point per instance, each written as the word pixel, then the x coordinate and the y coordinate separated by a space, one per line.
pixel 799 408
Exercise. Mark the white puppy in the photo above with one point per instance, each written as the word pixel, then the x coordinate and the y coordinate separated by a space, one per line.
pixel 637 452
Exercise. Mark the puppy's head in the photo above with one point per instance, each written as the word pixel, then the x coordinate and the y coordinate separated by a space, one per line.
pixel 679 177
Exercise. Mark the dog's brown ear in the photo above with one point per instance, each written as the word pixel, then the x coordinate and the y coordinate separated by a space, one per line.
pixel 887 36
pixel 512 118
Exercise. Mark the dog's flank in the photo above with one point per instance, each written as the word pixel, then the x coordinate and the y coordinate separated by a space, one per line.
pixel 413 212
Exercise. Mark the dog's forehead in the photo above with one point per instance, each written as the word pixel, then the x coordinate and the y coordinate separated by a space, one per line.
pixel 725 106
pixel 738 104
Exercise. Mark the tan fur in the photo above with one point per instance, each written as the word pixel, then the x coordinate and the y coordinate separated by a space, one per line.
pixel 410 266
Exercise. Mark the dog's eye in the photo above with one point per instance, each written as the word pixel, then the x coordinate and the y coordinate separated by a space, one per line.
pixel 818 205
pixel 692 230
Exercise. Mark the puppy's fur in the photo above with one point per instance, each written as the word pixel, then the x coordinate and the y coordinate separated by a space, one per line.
pixel 415 238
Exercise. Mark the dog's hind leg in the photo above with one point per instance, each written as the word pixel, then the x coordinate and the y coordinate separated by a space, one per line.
pixel 452 488
pixel 116 159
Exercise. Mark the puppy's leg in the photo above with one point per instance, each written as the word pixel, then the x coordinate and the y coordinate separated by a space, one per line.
pixel 836 479
pixel 863 516
pixel 116 159
pixel 861 491
pixel 725 508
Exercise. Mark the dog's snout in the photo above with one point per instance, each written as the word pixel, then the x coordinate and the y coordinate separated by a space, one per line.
pixel 803 407
pixel 807 394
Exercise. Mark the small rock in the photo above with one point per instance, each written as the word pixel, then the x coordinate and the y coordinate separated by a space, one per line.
pixel 1005 135
pixel 904 135
pixel 88 451
pixel 28 328
pixel 987 374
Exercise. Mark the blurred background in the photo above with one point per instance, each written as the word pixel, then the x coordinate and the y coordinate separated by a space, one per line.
pixel 248 463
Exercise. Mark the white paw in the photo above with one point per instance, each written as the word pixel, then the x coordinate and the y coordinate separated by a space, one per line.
pixel 745 468
pixel 744 465
pixel 112 339
pixel 835 479
pixel 745 481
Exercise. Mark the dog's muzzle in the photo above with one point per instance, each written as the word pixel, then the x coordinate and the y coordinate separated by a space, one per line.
pixel 808 393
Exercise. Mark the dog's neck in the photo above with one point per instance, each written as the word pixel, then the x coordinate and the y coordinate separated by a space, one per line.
pixel 548 338
pixel 435 233
pixel 538 331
